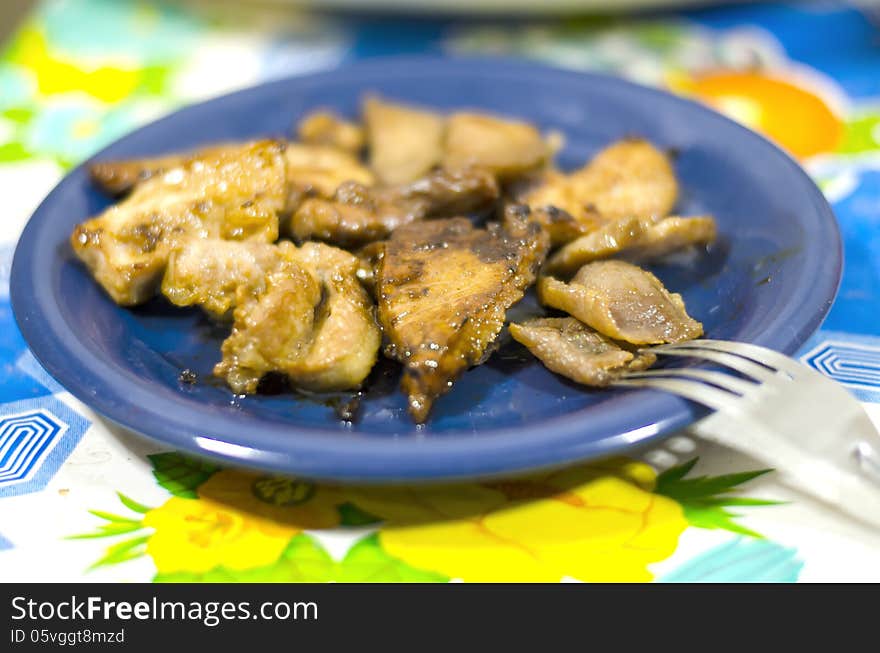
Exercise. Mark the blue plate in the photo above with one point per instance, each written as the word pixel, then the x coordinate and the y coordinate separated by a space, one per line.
pixel 770 280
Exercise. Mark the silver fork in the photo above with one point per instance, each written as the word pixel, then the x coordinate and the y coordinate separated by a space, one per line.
pixel 809 428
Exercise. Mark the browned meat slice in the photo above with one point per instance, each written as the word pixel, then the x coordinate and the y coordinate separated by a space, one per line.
pixel 507 148
pixel 574 350
pixel 630 178
pixel 405 142
pixel 369 257
pixel 213 273
pixel 444 288
pixel 560 226
pixel 349 223
pixel 551 190
pixel 623 302
pixel 234 193
pixel 273 330
pixel 448 193
pixel 358 215
pixel 347 337
pixel 119 177
pixel 313 323
pixel 320 170
pixel 326 128
pixel 637 239
pixel 310 169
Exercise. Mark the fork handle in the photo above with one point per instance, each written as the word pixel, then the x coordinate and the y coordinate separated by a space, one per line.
pixel 857 494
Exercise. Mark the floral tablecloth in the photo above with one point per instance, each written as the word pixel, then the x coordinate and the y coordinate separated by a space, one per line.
pixel 80 500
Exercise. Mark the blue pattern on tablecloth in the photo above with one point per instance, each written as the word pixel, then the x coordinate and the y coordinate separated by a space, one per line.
pixel 740 560
pixel 17 383
pixel 5 544
pixel 856 307
pixel 853 361
pixel 36 437
pixel 848 50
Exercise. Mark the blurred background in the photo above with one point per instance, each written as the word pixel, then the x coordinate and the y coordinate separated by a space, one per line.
pixel 11 12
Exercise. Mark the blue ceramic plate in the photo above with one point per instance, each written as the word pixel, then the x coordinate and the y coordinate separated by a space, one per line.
pixel 770 280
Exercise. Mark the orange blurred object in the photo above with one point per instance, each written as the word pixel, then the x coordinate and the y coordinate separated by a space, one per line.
pixel 795 117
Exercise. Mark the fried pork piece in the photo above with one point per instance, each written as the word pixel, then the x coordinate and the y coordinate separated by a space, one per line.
pixel 637 239
pixel 369 257
pixel 574 350
pixel 560 226
pixel 313 323
pixel 234 193
pixel 630 178
pixel 320 170
pixel 213 273
pixel 358 215
pixel 623 302
pixel 444 288
pixel 346 342
pixel 119 177
pixel 507 148
pixel 405 142
pixel 326 128
pixel 310 169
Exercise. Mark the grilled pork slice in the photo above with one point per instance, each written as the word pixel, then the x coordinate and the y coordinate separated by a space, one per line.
pixel 312 168
pixel 369 258
pixel 636 239
pixel 444 288
pixel 623 302
pixel 405 142
pixel 313 322
pixel 357 215
pixel 574 350
pixel 234 193
pixel 630 178
pixel 326 128
pixel 119 177
pixel 318 170
pixel 507 148
pixel 213 273
pixel 561 226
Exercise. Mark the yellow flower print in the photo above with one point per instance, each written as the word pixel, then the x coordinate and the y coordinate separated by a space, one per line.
pixel 196 535
pixel 55 74
pixel 240 521
pixel 297 504
pixel 590 523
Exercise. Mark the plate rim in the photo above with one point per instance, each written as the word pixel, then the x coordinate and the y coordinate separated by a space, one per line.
pixel 372 459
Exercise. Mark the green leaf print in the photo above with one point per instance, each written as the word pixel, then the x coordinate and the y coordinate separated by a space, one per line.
pixel 123 551
pixel 367 561
pixel 20 115
pixel 351 515
pixel 306 561
pixel 303 561
pixel 861 134
pixel 13 151
pixel 704 499
pixel 131 504
pixel 179 474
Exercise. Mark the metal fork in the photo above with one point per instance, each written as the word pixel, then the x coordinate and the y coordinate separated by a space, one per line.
pixel 810 429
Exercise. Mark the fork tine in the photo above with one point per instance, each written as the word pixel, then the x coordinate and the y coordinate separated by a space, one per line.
pixel 689 389
pixel 724 381
pixel 758 354
pixel 742 365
